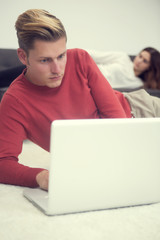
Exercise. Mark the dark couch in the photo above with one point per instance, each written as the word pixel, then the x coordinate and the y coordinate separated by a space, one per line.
pixel 11 67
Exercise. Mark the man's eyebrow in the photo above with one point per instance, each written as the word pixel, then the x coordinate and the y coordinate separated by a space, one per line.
pixel 63 53
pixel 55 57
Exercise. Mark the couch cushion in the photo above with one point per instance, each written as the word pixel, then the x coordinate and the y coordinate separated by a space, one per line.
pixel 9 74
pixel 2 91
pixel 8 58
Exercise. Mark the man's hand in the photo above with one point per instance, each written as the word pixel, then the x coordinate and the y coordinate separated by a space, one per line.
pixel 42 179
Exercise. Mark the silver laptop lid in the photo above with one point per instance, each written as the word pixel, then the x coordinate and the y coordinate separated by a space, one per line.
pixel 103 163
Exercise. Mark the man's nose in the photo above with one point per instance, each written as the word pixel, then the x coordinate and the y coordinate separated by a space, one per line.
pixel 55 67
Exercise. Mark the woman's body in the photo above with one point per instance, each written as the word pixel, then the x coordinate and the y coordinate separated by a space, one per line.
pixel 123 73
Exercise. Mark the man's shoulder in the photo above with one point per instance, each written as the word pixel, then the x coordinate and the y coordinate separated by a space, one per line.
pixel 15 88
pixel 76 52
pixel 77 56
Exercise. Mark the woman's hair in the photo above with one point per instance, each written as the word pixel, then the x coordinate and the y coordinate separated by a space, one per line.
pixel 151 77
pixel 38 24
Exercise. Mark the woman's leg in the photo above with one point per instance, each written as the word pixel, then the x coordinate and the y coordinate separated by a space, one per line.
pixel 142 104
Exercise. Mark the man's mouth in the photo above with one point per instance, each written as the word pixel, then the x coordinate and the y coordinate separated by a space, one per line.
pixel 55 77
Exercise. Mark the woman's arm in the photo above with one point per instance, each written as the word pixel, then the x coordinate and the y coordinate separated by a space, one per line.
pixel 107 58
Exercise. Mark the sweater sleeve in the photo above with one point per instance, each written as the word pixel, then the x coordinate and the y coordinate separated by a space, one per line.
pixel 12 134
pixel 104 96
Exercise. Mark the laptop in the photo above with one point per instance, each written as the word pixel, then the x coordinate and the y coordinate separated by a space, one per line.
pixel 100 164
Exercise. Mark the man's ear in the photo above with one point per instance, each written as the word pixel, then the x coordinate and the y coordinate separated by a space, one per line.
pixel 22 56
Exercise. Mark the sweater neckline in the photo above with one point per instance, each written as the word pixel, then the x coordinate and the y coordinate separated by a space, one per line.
pixel 37 87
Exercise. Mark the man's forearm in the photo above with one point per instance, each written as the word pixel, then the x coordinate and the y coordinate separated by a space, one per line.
pixel 12 172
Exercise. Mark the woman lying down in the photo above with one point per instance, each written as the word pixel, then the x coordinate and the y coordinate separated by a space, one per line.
pixel 123 73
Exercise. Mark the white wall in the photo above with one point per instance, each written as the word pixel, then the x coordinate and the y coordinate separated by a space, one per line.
pixel 116 25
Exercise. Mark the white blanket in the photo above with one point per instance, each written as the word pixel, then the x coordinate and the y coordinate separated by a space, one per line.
pixel 20 220
pixel 117 68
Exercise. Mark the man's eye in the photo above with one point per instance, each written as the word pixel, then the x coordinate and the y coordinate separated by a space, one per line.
pixel 61 56
pixel 43 61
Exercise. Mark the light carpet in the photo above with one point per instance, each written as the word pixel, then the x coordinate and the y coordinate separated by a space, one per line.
pixel 20 220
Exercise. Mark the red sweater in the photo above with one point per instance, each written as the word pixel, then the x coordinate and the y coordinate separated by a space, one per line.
pixel 27 110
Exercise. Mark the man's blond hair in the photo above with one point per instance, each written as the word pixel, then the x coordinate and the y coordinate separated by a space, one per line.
pixel 38 24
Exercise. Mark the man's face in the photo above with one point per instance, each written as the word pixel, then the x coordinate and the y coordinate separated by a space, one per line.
pixel 46 63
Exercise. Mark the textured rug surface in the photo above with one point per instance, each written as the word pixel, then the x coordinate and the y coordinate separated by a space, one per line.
pixel 20 220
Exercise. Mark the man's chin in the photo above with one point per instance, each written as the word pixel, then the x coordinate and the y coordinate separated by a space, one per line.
pixel 54 84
